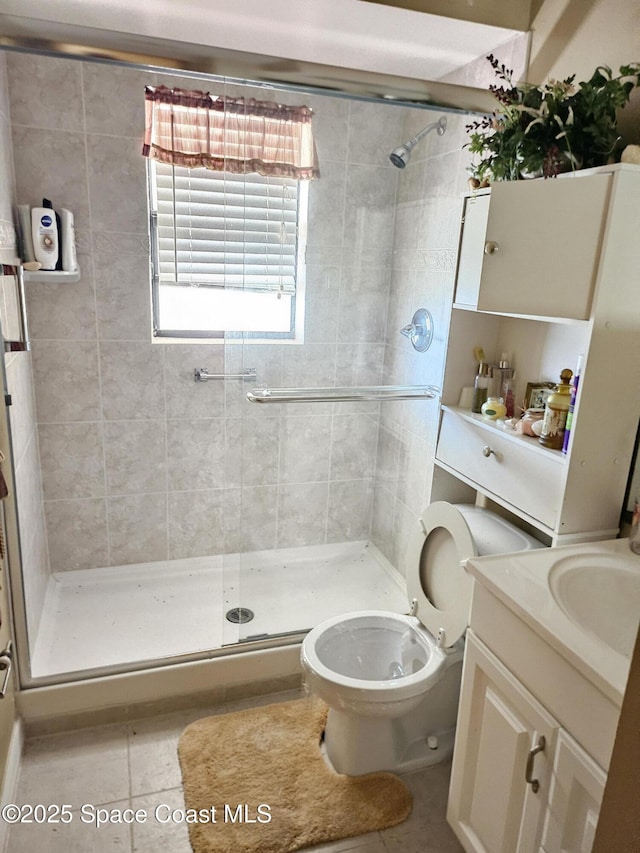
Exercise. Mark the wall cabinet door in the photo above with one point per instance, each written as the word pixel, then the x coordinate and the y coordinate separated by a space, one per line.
pixel 541 248
pixel 501 766
pixel 575 796
pixel 470 251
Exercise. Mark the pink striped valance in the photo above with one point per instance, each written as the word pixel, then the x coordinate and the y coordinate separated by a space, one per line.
pixel 228 134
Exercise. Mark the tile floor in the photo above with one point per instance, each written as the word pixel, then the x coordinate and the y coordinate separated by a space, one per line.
pixel 135 765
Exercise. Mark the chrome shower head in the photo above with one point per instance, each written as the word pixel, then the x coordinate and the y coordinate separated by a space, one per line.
pixel 400 156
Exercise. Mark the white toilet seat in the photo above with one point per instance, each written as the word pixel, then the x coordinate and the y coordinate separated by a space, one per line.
pixel 436 578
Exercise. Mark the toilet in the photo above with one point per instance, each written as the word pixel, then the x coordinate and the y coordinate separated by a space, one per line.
pixel 392 681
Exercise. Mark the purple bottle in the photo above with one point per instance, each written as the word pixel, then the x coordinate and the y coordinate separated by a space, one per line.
pixel 572 402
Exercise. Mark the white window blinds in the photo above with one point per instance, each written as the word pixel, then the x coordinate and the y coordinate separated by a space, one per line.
pixel 216 229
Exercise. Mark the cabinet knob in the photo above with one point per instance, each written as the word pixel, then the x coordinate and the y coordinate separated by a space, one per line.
pixel 490 248
pixel 487 451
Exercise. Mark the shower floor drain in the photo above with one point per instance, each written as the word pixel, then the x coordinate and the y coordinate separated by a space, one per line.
pixel 239 615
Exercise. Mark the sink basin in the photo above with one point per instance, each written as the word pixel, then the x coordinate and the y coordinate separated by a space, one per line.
pixel 601 594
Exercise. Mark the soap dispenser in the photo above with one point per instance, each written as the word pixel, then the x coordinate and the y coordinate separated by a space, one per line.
pixel 555 413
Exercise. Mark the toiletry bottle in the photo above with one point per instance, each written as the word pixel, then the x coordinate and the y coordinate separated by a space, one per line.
pixel 46 202
pixel 24 223
pixel 480 388
pixel 494 408
pixel 44 232
pixel 68 239
pixel 572 404
pixel 555 413
pixel 506 386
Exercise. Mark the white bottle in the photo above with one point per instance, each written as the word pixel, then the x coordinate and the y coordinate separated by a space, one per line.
pixel 68 240
pixel 24 220
pixel 44 232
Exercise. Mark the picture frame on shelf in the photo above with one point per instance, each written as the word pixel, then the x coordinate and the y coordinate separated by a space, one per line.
pixel 536 394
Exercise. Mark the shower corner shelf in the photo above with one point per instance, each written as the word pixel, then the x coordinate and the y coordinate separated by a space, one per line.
pixel 52 275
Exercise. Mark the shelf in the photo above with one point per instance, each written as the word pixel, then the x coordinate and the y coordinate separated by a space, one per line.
pixel 58 276
pixel 569 321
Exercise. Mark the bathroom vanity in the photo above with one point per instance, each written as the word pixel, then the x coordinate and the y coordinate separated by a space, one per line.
pixel 547 271
pixel 541 696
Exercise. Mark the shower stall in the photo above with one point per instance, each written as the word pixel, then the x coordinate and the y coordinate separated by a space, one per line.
pixel 165 514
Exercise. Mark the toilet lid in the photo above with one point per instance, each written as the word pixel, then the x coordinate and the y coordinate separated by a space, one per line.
pixel 436 578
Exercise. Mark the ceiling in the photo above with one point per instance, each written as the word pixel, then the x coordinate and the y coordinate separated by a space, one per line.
pixel 516 14
pixel 350 45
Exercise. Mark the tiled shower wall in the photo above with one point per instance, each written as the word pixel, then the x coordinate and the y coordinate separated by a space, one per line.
pixel 426 235
pixel 27 485
pixel 426 231
pixel 139 463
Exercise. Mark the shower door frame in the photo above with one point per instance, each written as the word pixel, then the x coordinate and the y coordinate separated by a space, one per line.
pixel 23 656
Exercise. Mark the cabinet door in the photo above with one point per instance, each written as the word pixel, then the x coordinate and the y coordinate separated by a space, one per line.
pixel 472 240
pixel 542 246
pixel 494 804
pixel 576 792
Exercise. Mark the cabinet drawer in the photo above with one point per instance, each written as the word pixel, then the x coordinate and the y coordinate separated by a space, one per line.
pixel 515 472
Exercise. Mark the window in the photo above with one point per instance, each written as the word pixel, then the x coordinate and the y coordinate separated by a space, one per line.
pixel 227 252
pixel 228 190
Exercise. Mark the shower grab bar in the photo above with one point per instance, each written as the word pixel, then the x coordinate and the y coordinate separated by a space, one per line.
pixel 343 395
pixel 201 374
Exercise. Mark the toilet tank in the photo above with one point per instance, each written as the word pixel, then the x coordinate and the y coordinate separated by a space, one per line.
pixel 493 534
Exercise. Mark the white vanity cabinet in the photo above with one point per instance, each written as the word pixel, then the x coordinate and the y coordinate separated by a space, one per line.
pixel 547 271
pixel 522 779
pixel 501 766
pixel 520 783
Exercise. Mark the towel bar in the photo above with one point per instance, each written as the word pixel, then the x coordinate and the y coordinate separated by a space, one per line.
pixel 332 395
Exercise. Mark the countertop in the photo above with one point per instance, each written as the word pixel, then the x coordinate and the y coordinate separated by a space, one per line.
pixel 520 581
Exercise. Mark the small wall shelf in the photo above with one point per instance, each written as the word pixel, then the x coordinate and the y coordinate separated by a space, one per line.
pixel 58 276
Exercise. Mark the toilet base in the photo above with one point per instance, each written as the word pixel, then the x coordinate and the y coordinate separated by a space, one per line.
pixel 357 744
pixel 417 757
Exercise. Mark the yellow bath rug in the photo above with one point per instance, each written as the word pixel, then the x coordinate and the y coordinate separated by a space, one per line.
pixel 256 782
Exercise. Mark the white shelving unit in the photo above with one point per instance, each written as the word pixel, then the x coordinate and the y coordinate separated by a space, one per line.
pixel 548 270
